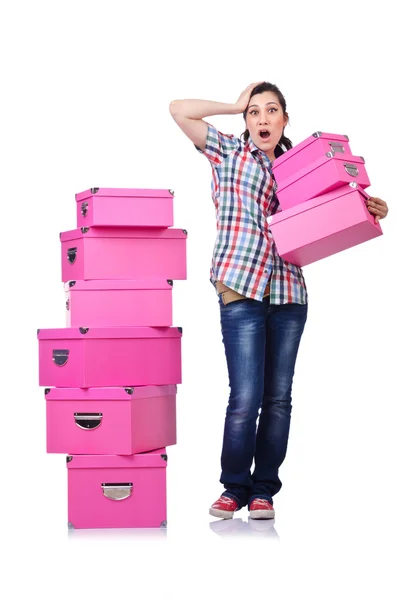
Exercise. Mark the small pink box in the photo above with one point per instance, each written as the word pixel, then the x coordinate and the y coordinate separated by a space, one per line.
pixel 117 207
pixel 108 491
pixel 123 253
pixel 323 175
pixel 324 226
pixel 118 303
pixel 111 357
pixel 110 420
pixel 306 152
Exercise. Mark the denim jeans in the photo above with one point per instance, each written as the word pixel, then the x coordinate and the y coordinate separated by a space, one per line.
pixel 261 345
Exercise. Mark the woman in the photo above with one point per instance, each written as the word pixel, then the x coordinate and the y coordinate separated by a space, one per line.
pixel 262 298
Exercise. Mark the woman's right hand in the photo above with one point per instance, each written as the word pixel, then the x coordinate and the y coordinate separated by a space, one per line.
pixel 244 97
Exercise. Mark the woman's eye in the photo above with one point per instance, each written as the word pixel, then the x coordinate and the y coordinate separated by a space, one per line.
pixel 275 109
pixel 253 112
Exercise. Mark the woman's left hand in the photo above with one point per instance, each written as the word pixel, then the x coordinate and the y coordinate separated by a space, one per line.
pixel 377 207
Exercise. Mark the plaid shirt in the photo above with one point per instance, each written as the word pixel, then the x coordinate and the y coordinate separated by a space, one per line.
pixel 243 191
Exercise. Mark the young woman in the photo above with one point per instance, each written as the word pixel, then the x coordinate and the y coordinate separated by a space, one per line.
pixel 262 298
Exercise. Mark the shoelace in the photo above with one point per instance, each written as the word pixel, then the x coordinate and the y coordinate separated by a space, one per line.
pixel 226 500
pixel 260 501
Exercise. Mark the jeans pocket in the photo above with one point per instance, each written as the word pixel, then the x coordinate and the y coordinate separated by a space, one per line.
pixel 230 296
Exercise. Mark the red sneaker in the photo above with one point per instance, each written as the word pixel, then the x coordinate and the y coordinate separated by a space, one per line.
pixel 224 508
pixel 261 509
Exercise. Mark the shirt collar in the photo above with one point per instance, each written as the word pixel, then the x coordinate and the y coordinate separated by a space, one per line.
pixel 255 150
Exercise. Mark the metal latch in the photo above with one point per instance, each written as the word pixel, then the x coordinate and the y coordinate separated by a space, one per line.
pixel 88 420
pixel 351 169
pixel 72 255
pixel 117 491
pixel 337 147
pixel 60 357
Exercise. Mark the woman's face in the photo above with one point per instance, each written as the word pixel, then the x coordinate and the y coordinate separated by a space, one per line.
pixel 265 121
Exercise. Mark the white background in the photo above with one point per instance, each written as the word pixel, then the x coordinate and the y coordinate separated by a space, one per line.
pixel 85 93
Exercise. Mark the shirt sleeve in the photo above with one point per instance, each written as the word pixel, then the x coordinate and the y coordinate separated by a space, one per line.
pixel 218 145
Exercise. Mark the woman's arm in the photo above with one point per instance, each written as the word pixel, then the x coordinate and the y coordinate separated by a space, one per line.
pixel 189 114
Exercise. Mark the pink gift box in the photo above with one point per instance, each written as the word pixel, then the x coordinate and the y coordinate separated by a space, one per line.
pixel 308 151
pixel 108 491
pixel 325 174
pixel 117 303
pixel 113 356
pixel 123 253
pixel 110 420
pixel 117 207
pixel 324 226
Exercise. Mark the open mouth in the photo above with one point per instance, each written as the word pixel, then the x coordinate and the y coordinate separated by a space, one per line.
pixel 264 133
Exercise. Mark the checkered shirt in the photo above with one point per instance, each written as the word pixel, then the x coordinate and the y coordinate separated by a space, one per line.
pixel 243 191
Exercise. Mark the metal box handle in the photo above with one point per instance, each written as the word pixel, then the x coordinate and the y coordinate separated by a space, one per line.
pixel 84 209
pixel 88 421
pixel 351 169
pixel 337 147
pixel 60 357
pixel 117 491
pixel 72 252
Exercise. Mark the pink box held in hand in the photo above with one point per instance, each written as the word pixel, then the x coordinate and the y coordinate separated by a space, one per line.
pixel 324 226
pixel 109 356
pixel 109 491
pixel 325 174
pixel 123 253
pixel 110 420
pixel 118 303
pixel 118 207
pixel 308 151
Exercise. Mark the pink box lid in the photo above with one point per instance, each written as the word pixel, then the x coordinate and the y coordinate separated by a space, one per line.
pixel 317 201
pixel 155 458
pixel 124 192
pixel 333 137
pixel 119 284
pixel 350 159
pixel 110 393
pixel 71 333
pixel 122 232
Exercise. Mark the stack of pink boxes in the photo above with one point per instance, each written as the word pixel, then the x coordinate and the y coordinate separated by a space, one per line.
pixel 115 367
pixel 321 191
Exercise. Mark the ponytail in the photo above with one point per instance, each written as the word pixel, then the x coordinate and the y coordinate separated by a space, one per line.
pixel 284 145
pixel 245 135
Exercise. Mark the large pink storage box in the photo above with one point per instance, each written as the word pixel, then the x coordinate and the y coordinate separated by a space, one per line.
pixel 323 175
pixel 110 420
pixel 116 207
pixel 123 253
pixel 117 303
pixel 306 152
pixel 114 356
pixel 324 226
pixel 117 491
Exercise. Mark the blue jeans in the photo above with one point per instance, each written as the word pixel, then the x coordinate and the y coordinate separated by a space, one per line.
pixel 261 345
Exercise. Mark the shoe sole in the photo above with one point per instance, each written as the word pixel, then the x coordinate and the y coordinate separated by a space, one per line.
pixel 262 514
pixel 222 514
